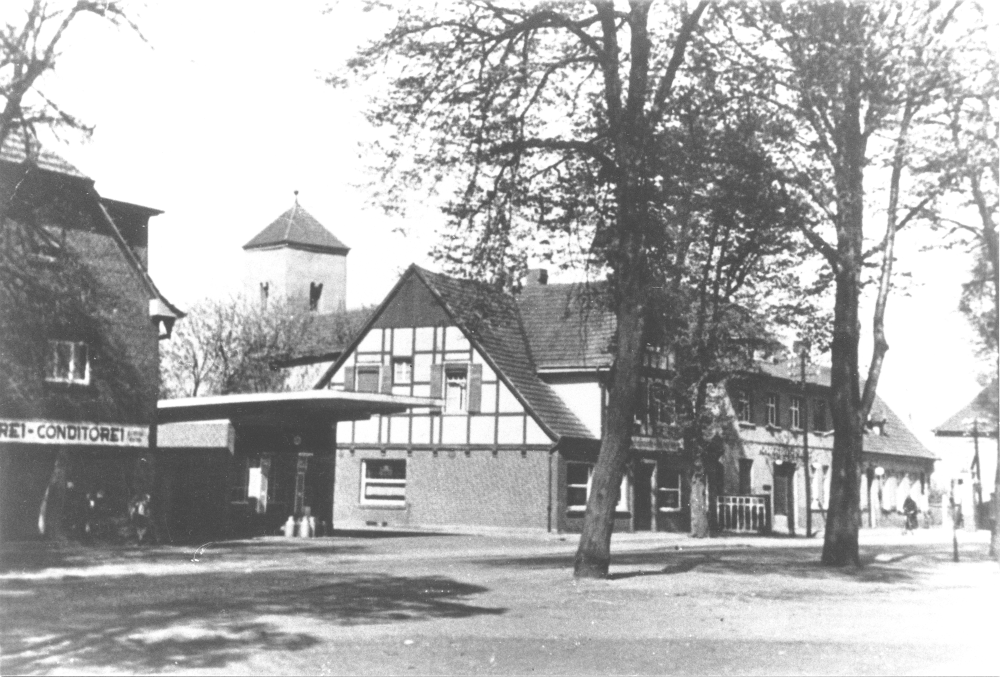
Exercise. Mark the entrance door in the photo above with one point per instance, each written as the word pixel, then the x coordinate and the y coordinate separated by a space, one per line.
pixel 783 496
pixel 642 496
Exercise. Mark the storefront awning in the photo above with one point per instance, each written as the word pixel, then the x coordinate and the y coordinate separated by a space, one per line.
pixel 315 406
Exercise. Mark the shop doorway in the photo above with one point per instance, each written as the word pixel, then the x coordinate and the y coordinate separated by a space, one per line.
pixel 642 496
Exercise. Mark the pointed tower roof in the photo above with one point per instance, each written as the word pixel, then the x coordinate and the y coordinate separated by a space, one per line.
pixel 298 229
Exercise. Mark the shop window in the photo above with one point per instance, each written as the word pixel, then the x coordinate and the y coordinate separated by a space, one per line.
pixel 668 489
pixel 743 410
pixel 383 482
pixel 402 371
pixel 69 362
pixel 579 477
pixel 772 409
pixel 795 413
pixel 819 416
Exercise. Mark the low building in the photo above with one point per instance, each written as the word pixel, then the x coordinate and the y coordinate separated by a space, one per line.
pixel 967 446
pixel 778 422
pixel 233 466
pixel 80 322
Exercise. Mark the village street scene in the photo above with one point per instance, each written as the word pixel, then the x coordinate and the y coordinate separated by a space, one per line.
pixel 596 337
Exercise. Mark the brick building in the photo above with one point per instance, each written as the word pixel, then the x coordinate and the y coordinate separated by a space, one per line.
pixel 79 327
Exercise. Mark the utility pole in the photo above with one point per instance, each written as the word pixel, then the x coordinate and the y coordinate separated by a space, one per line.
pixel 977 480
pixel 802 348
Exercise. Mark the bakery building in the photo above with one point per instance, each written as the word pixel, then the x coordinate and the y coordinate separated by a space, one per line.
pixel 80 323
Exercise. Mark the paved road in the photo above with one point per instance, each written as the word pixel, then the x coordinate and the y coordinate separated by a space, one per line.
pixel 385 603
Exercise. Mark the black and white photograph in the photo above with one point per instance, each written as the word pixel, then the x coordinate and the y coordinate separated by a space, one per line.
pixel 461 337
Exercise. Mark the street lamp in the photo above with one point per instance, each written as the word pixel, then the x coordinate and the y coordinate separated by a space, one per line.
pixel 801 347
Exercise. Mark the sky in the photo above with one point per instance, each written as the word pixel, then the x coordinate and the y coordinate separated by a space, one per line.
pixel 222 113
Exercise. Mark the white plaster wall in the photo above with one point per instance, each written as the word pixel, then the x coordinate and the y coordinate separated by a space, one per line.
pixel 264 265
pixel 330 270
pixel 584 400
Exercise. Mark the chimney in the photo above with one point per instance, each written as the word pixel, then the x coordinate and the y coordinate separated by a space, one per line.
pixel 536 276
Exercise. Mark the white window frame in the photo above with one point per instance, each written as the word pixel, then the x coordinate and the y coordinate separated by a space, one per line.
pixel 75 348
pixel 772 409
pixel 396 363
pixel 462 407
pixel 660 491
pixel 386 483
pixel 795 413
pixel 620 508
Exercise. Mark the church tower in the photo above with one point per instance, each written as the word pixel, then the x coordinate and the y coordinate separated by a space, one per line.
pixel 297 259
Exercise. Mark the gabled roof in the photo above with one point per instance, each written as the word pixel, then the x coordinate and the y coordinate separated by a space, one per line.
pixel 569 326
pixel 19 148
pixel 492 322
pixel 298 229
pixel 983 408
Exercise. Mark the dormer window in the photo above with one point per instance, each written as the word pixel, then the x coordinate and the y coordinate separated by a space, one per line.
pixel 69 362
pixel 315 292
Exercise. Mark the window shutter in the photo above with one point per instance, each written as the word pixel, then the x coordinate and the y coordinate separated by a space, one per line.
pixel 348 378
pixel 385 373
pixel 475 388
pixel 437 380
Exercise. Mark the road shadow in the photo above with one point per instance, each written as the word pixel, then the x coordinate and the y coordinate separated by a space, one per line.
pixel 141 624
pixel 891 564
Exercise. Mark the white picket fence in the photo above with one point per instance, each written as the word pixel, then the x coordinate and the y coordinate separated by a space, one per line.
pixel 744 514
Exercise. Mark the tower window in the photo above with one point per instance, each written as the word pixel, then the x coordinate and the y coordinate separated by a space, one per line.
pixel 315 292
pixel 264 289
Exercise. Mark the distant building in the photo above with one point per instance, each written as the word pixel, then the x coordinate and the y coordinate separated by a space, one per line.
pixel 967 445
pixel 298 260
pixel 79 328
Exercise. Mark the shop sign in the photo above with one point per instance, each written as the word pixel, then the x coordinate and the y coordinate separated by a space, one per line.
pixel 782 454
pixel 58 432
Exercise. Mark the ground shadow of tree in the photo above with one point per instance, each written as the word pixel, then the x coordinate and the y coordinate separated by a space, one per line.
pixel 892 564
pixel 194 621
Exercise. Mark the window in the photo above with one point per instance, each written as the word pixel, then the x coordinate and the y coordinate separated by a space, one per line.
pixel 368 378
pixel 264 290
pixel 69 362
pixel 315 292
pixel 661 408
pixel 383 482
pixel 578 480
pixel 772 409
pixel 795 411
pixel 743 411
pixel 456 388
pixel 402 371
pixel 668 489
pixel 819 416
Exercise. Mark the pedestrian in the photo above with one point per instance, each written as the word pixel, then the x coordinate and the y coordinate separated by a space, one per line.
pixel 139 515
pixel 910 510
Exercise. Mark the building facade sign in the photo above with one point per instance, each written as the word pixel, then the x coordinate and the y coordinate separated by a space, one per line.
pixel 59 432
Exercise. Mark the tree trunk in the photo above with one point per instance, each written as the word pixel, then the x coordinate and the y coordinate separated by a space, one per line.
pixel 698 502
pixel 995 537
pixel 593 556
pixel 840 546
pixel 52 510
